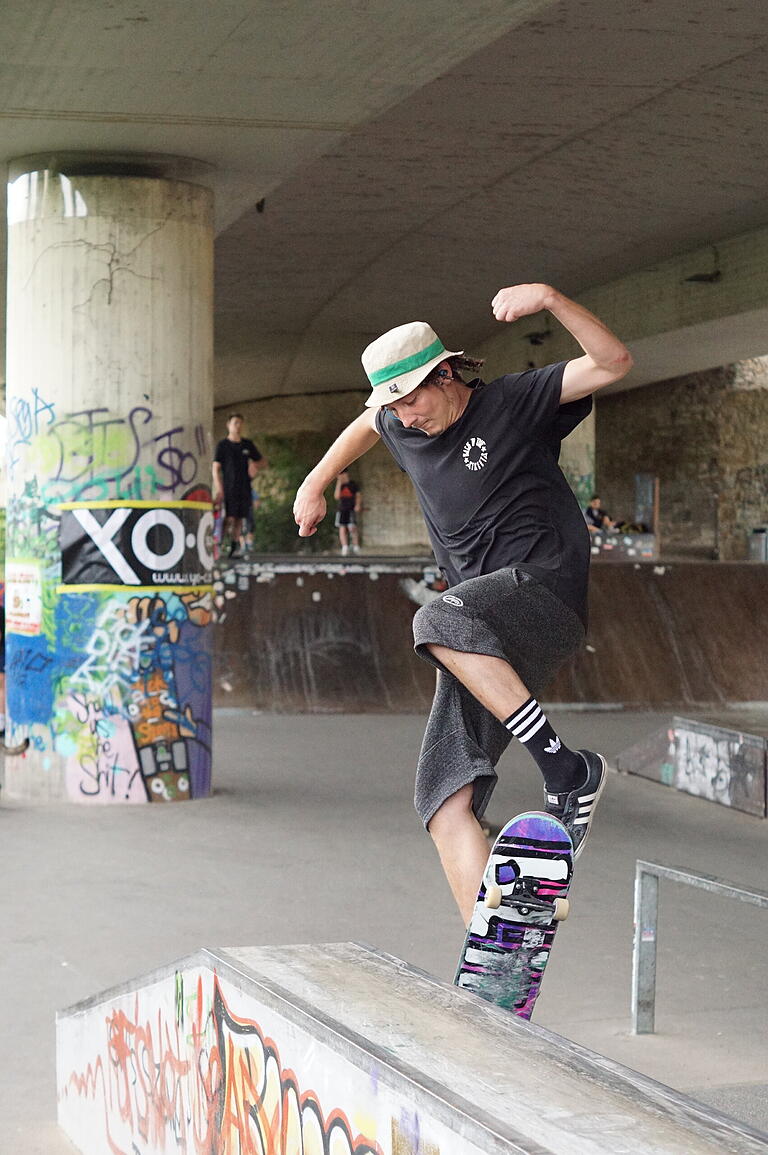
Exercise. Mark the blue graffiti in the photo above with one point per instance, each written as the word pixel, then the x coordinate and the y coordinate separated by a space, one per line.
pixel 29 686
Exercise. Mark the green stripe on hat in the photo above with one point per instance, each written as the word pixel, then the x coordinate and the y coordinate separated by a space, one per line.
pixel 415 361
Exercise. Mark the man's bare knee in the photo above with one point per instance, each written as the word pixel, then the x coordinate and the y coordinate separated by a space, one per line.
pixel 455 810
pixel 438 651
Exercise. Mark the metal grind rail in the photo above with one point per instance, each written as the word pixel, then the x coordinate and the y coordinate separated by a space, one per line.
pixel 647 875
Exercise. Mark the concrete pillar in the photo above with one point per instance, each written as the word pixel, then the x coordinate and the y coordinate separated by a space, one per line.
pixel 109 403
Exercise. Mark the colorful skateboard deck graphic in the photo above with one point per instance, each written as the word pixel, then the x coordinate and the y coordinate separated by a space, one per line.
pixel 507 945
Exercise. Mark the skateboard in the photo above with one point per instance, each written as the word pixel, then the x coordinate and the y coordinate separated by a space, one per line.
pixel 522 899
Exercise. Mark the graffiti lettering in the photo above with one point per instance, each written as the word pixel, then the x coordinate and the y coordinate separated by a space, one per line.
pixel 91 454
pixel 181 467
pixel 194 1076
pixel 106 775
pixel 26 421
pixel 114 653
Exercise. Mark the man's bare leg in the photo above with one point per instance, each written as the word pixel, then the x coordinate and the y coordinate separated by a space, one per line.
pixel 494 683
pixel 462 846
pixel 491 680
pixel 458 836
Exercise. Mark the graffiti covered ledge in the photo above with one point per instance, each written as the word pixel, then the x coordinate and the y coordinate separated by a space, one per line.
pixel 338 1049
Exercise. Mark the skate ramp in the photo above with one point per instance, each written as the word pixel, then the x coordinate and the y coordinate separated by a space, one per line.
pixel 327 635
pixel 342 1050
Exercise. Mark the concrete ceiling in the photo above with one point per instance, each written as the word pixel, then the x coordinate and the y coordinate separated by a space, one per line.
pixel 412 158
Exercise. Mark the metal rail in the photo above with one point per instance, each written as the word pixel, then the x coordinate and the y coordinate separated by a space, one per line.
pixel 647 875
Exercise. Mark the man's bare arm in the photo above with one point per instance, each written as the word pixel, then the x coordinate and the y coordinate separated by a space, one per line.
pixel 309 507
pixel 606 359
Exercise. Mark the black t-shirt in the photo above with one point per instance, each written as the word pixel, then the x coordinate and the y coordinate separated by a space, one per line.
pixel 490 488
pixel 233 457
pixel 347 496
pixel 596 516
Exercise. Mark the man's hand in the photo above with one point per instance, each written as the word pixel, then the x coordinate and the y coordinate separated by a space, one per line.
pixel 521 301
pixel 309 509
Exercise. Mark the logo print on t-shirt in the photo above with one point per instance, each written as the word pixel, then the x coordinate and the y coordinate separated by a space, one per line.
pixel 475 453
pixel 452 600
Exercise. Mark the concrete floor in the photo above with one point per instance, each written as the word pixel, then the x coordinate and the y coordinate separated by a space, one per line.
pixel 95 896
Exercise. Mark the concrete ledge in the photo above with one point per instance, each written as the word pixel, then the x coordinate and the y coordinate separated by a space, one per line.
pixel 714 758
pixel 343 1049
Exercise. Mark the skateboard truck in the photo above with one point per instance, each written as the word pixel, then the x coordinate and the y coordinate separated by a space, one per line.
pixel 525 903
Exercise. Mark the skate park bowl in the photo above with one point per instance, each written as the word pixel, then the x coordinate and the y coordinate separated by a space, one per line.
pixel 339 1049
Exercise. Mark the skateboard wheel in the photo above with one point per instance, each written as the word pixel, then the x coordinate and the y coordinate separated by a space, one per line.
pixel 562 909
pixel 492 896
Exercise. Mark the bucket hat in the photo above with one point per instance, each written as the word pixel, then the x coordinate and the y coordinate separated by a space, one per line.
pixel 398 361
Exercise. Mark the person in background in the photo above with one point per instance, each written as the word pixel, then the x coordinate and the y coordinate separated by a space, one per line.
pixel 349 501
pixel 596 517
pixel 250 520
pixel 235 464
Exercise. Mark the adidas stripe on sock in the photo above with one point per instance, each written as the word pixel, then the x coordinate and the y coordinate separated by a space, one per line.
pixel 562 768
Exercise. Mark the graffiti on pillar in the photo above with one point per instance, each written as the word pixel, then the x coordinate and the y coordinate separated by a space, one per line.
pixel 94 454
pixel 134 715
pixel 109 599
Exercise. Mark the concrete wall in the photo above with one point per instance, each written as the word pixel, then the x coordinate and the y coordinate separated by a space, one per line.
pixel 706 437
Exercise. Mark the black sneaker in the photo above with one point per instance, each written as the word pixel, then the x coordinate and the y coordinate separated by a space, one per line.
pixel 576 808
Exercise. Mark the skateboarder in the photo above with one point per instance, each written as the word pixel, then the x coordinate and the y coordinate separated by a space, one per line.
pixel 511 541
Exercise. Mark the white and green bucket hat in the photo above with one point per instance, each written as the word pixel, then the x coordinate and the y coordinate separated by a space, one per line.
pixel 398 361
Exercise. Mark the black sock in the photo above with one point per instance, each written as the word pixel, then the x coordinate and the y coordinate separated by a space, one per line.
pixel 562 768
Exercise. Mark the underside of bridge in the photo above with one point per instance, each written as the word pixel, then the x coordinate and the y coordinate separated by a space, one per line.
pixel 371 165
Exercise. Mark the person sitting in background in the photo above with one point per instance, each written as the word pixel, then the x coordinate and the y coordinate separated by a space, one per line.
pixel 596 517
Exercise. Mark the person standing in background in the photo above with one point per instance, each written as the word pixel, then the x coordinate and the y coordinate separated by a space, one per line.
pixel 349 502
pixel 235 464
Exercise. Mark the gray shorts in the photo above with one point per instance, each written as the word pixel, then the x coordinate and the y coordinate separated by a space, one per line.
pixel 509 615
